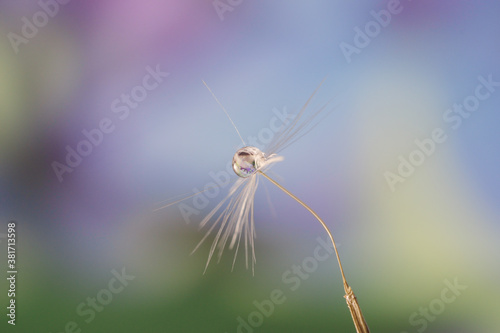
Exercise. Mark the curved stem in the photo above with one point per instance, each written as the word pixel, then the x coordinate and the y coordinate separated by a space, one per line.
pixel 317 217
pixel 352 303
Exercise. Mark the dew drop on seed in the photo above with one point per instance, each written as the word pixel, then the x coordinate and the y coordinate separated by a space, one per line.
pixel 247 161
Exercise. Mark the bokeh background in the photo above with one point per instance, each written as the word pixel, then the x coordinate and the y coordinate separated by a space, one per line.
pixel 398 247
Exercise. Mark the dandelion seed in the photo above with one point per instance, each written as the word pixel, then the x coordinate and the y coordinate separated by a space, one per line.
pixel 236 218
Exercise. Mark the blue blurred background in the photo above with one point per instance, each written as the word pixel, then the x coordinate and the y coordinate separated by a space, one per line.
pixel 65 71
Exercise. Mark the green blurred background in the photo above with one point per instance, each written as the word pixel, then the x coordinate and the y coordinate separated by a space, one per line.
pixel 399 248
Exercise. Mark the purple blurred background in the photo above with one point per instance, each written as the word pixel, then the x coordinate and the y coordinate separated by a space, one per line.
pixel 394 85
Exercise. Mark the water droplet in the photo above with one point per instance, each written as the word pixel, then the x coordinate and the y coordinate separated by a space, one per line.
pixel 247 161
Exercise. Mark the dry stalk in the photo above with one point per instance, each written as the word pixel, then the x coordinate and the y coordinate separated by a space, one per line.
pixel 352 302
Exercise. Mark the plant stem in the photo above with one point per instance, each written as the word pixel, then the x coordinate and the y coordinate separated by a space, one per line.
pixel 352 303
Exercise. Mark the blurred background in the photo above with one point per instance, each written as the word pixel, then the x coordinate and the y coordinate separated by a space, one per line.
pixel 98 69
